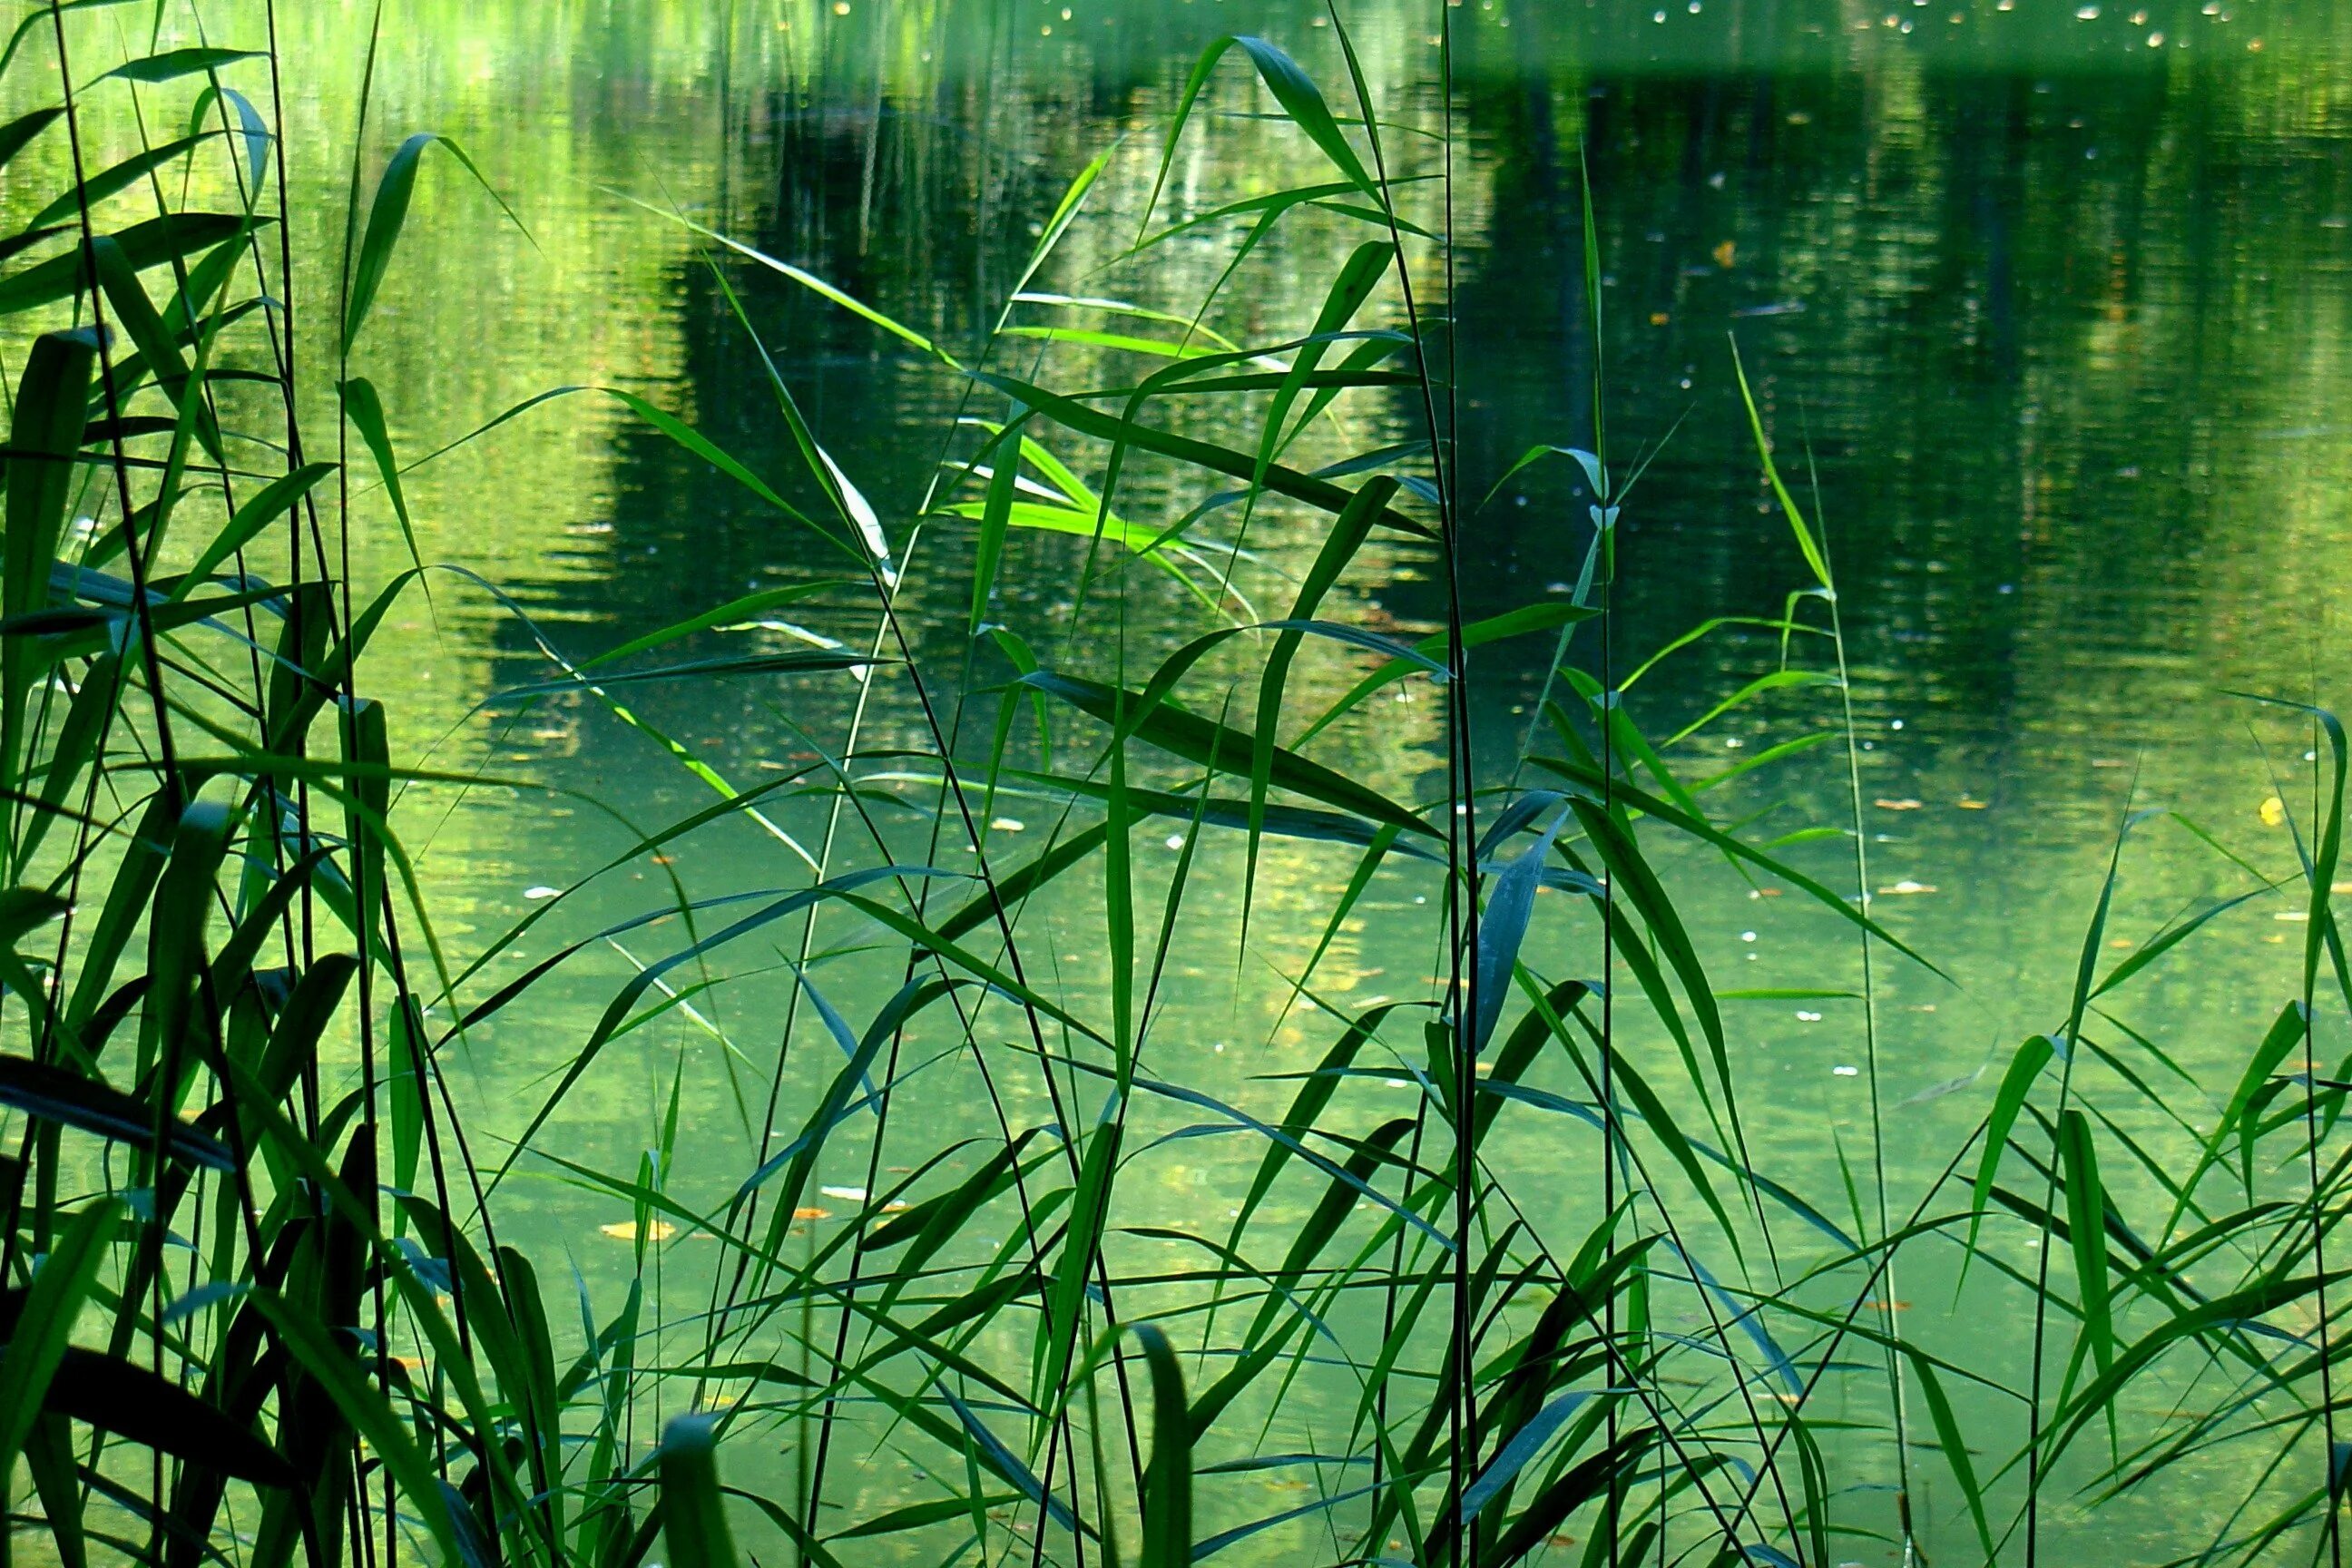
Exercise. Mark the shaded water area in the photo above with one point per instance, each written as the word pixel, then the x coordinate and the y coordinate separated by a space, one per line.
pixel 2047 310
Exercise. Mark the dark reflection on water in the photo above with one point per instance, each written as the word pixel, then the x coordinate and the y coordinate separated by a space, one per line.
pixel 2050 323
pixel 2050 319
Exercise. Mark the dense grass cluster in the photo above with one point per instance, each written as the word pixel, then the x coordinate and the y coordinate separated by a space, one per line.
pixel 1543 1303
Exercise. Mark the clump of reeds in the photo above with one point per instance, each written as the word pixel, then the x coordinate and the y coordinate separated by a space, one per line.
pixel 255 1304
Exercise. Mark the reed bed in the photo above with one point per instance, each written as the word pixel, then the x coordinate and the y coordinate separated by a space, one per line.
pixel 1500 1279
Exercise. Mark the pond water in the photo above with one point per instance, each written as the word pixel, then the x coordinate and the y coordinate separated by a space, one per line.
pixel 2046 305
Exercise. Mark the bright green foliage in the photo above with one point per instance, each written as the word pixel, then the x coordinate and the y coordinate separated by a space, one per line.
pixel 257 1309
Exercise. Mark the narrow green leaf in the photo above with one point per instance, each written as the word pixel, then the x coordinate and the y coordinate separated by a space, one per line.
pixel 1211 744
pixel 144 245
pixel 35 1351
pixel 120 177
pixel 1296 94
pixel 57 1095
pixel 387 212
pixel 172 64
pixel 1806 545
pixel 995 517
pixel 2086 1223
pixel 265 506
pixel 42 439
pixel 694 1515
pixel 337 1372
pixel 134 1402
pixel 19 133
pixel 1168 1478
pixel 366 411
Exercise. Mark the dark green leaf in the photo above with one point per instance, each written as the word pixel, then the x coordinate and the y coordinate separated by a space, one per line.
pixel 694 1517
pixel 144 245
pixel 174 63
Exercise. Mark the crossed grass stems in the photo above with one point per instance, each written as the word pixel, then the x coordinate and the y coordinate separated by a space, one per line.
pixel 333 1367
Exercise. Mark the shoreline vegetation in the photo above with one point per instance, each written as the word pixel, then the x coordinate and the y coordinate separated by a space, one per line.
pixel 1505 1276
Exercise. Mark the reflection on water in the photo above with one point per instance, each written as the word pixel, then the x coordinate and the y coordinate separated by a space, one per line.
pixel 2050 311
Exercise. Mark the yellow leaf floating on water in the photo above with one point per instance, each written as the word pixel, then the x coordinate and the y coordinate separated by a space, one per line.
pixel 2273 812
pixel 1968 803
pixel 1726 253
pixel 1905 803
pixel 1906 887
pixel 626 1230
pixel 811 1212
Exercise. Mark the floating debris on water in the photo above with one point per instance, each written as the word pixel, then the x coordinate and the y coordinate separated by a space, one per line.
pixel 847 1194
pixel 1907 887
pixel 1905 804
pixel 2273 811
pixel 626 1230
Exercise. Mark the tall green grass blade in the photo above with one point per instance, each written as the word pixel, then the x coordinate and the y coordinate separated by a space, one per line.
pixel 37 1347
pixel 69 1100
pixel 2024 1067
pixel 388 212
pixel 1168 1483
pixel 42 437
pixel 144 245
pixel 365 410
pixel 2086 1212
pixel 120 177
pixel 1296 94
pixel 172 64
pixel 272 501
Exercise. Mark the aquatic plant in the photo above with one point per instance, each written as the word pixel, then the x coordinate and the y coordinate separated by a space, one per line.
pixel 1507 1277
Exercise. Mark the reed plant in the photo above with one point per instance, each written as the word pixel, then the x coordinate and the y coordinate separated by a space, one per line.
pixel 1499 1278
